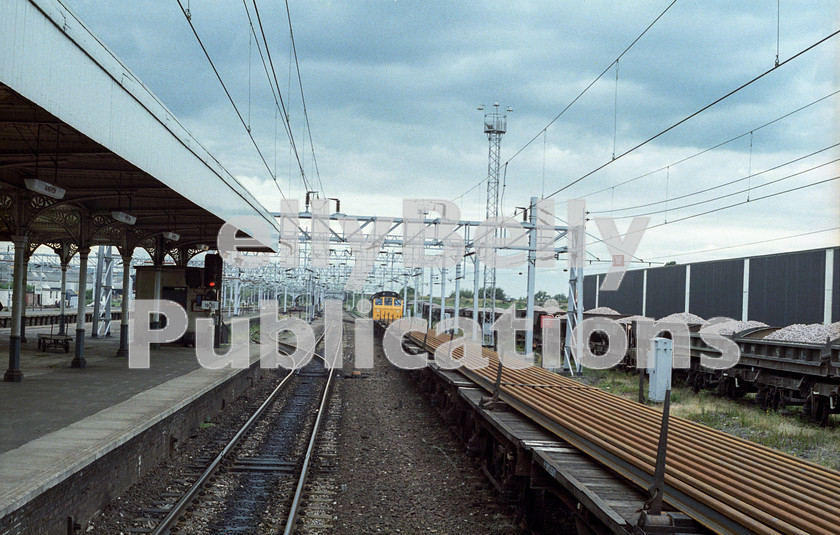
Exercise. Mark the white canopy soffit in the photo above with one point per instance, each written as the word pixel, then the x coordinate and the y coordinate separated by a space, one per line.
pixel 72 115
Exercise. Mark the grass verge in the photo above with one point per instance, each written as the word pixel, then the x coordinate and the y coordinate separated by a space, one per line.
pixel 784 430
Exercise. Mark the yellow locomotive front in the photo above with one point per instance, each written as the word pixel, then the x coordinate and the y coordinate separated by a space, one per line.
pixel 386 307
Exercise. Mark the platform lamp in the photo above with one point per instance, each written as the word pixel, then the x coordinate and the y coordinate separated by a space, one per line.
pixel 123 217
pixel 48 190
pixel 40 186
pixel 44 188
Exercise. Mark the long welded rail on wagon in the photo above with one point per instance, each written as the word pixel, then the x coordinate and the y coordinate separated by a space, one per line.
pixel 726 483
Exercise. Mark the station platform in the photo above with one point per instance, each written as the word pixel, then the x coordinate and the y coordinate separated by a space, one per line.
pixel 60 420
pixel 53 395
pixel 49 316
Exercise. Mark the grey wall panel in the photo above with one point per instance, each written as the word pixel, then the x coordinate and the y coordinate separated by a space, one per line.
pixel 787 288
pixel 835 298
pixel 716 289
pixel 590 283
pixel 784 289
pixel 665 291
pixel 628 298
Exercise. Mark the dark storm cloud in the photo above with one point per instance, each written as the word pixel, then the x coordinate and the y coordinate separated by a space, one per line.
pixel 392 89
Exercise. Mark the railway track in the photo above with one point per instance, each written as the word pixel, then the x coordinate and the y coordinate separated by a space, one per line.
pixel 257 482
pixel 727 484
pixel 798 371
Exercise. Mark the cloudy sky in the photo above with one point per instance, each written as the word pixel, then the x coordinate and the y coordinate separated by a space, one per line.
pixel 392 87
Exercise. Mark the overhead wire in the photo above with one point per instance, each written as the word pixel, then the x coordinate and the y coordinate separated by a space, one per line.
pixel 477 184
pixel 694 114
pixel 230 98
pixel 542 132
pixel 615 110
pixel 721 208
pixel 588 87
pixel 778 238
pixel 769 195
pixel 728 183
pixel 728 206
pixel 303 100
pixel 274 93
pixel 591 235
pixel 709 149
pixel 279 94
pixel 719 197
pixel 578 97
pixel 723 143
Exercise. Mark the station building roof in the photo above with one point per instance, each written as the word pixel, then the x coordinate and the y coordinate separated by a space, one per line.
pixel 73 116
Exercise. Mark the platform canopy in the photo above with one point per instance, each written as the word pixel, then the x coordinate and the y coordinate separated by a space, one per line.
pixel 74 118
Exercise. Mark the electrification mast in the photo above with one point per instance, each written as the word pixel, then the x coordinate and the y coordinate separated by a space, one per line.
pixel 495 125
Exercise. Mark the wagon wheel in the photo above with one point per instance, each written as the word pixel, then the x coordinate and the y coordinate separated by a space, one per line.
pixel 726 388
pixel 776 399
pixel 732 391
pixel 722 387
pixel 781 402
pixel 820 410
pixel 694 381
pixel 762 397
pixel 824 413
pixel 808 408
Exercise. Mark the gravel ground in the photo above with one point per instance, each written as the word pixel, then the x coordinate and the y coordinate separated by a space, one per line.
pixel 631 319
pixel 685 317
pixel 603 310
pixel 399 468
pixel 814 333
pixel 731 327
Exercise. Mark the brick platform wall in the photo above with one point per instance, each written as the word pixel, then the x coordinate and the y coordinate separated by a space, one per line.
pixel 89 490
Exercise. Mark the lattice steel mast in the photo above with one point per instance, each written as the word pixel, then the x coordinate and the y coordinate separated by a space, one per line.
pixel 495 125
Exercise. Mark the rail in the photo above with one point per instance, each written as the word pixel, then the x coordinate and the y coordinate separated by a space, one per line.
pixel 184 502
pixel 295 507
pixel 725 483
